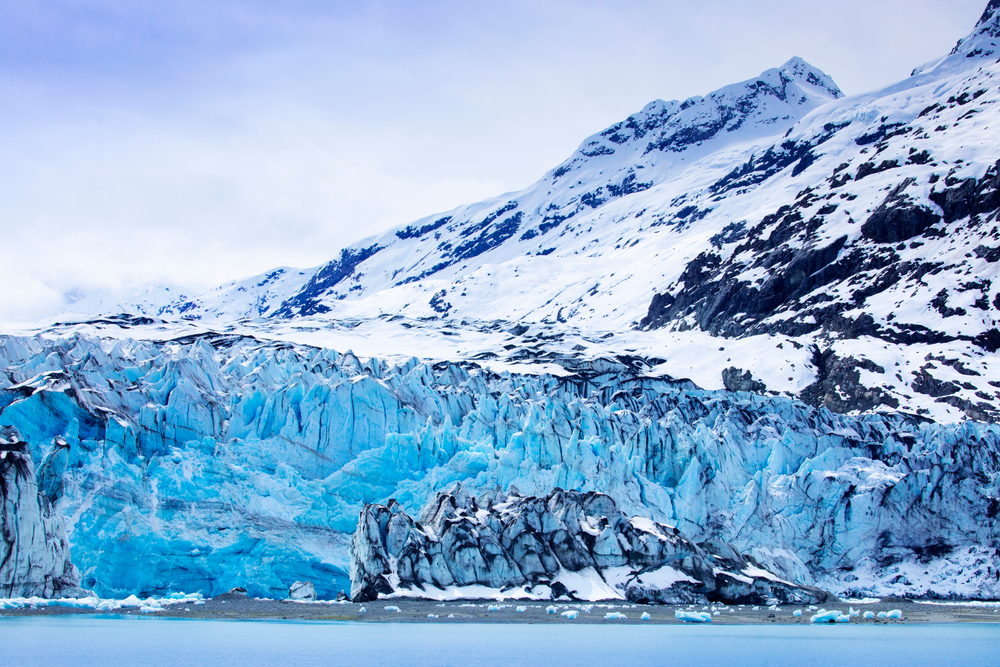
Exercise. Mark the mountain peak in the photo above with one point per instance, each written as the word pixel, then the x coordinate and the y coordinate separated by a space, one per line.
pixel 982 41
pixel 799 69
pixel 991 14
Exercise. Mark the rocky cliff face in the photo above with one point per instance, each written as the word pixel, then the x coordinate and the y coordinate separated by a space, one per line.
pixel 566 545
pixel 34 551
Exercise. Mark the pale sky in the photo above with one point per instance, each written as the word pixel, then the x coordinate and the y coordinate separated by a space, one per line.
pixel 194 142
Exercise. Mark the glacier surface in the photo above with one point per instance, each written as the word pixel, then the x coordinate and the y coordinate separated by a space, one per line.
pixel 223 460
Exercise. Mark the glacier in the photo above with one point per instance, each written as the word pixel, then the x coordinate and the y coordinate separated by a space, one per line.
pixel 221 460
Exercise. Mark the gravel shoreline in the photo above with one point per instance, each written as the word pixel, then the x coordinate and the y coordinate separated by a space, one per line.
pixel 231 606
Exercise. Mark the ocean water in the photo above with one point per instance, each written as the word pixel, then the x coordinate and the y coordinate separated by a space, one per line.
pixel 121 642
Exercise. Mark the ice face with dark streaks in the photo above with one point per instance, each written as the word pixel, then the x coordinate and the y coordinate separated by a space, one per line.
pixel 34 551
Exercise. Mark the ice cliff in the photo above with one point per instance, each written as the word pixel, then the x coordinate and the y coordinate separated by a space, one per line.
pixel 34 551
pixel 221 460
pixel 572 544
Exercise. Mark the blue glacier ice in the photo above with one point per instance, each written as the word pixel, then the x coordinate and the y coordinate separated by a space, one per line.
pixel 215 461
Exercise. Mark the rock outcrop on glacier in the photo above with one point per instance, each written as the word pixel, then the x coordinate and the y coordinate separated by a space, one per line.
pixel 567 544
pixel 34 551
pixel 219 460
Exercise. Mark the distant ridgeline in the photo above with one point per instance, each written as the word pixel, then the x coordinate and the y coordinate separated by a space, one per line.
pixel 220 461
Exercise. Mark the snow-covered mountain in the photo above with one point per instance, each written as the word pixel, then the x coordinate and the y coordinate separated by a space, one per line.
pixel 542 229
pixel 774 211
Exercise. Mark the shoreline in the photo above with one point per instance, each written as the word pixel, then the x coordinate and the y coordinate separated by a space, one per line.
pixel 230 606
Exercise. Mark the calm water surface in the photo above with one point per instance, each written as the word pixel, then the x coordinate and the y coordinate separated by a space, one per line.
pixel 120 642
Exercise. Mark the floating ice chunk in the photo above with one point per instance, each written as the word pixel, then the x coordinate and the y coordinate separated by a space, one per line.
pixel 615 616
pixel 493 607
pixel 854 612
pixel 895 613
pixel 693 616
pixel 881 614
pixel 432 615
pixel 391 607
pixel 716 613
pixel 823 616
pixel 844 618
pixel 869 615
pixel 571 614
pixel 521 609
pixel 362 610
pixel 551 610
pixel 773 602
pixel 797 613
pixel 130 601
pixel 451 615
pixel 645 616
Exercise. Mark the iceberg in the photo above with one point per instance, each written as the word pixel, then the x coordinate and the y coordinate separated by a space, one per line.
pixel 692 616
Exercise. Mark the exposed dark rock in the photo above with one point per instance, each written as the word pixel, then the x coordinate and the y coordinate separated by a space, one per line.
pixel 898 218
pixel 307 301
pixel 925 383
pixel 969 197
pixel 438 303
pixel 735 380
pixel 838 384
